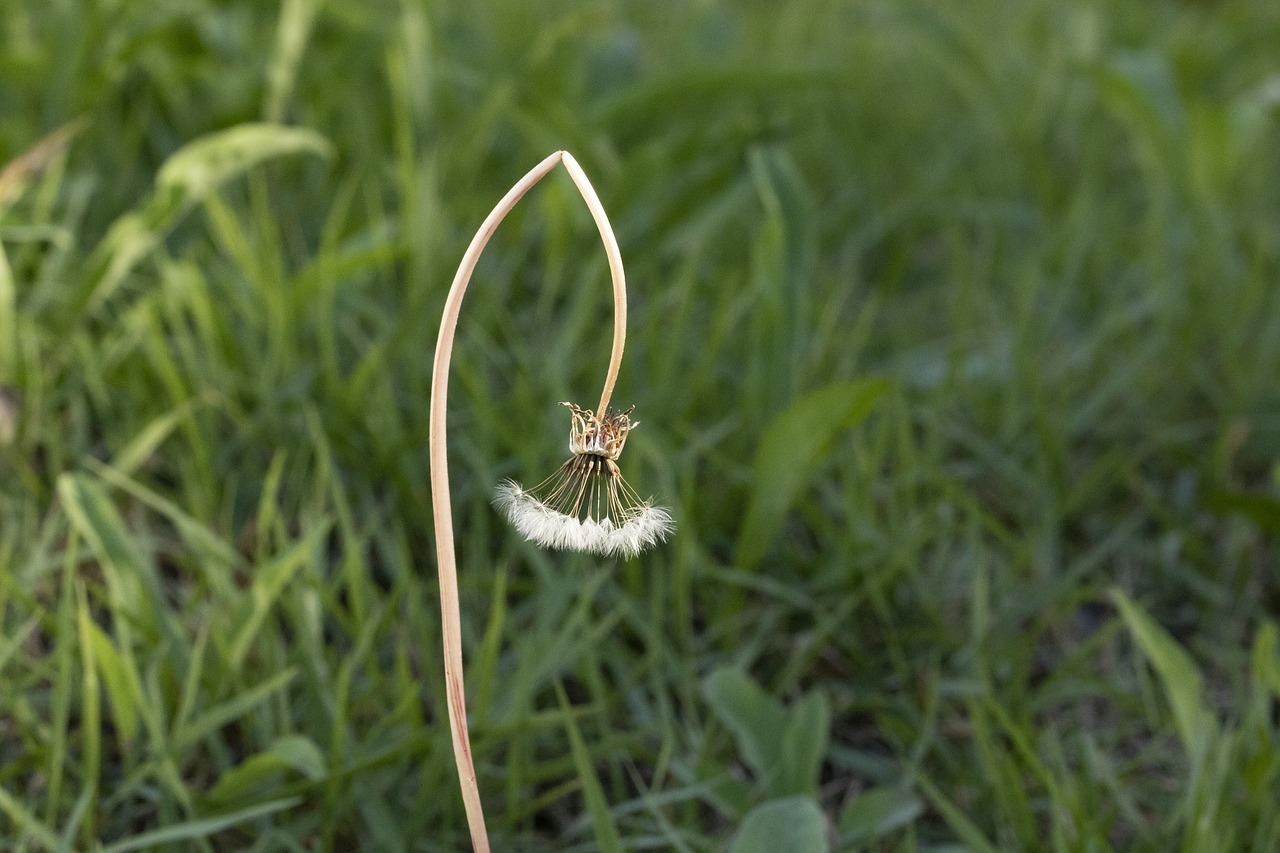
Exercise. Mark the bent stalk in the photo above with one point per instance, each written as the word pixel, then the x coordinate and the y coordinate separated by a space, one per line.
pixel 442 510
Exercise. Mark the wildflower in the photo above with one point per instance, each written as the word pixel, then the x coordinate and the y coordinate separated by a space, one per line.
pixel 586 505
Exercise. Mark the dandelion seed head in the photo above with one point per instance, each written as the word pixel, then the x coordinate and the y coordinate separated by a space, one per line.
pixel 586 505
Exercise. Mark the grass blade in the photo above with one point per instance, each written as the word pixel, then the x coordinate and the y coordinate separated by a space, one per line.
pixel 606 831
pixel 792 446
pixel 1182 681
pixel 201 167
pixel 220 715
pixel 25 822
pixel 200 828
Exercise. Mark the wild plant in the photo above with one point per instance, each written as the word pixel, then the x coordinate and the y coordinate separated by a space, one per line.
pixel 586 505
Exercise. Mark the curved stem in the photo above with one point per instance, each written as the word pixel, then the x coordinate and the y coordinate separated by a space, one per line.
pixel 441 506
pixel 614 254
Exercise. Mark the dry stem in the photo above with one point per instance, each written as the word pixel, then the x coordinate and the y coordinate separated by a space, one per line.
pixel 442 510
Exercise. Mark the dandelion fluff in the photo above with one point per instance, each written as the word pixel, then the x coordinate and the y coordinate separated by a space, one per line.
pixel 586 505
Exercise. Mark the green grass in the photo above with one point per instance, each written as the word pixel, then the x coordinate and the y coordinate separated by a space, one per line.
pixel 956 345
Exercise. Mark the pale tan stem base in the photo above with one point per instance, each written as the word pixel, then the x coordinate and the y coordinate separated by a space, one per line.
pixel 442 509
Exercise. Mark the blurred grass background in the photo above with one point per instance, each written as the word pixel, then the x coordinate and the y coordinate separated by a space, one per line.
pixel 956 343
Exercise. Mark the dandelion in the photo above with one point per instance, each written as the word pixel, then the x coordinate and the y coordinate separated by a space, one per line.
pixel 586 505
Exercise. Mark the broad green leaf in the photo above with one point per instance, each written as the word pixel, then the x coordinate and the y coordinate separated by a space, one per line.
pixel 877 812
pixel 232 709
pixel 184 180
pixel 301 754
pixel 783 747
pixel 606 831
pixel 292 752
pixel 117 678
pixel 1258 763
pixel 804 743
pixel 200 167
pixel 132 587
pixel 1266 660
pixel 199 828
pixel 794 825
pixel 96 519
pixel 792 448
pixel 1182 682
pixel 755 718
